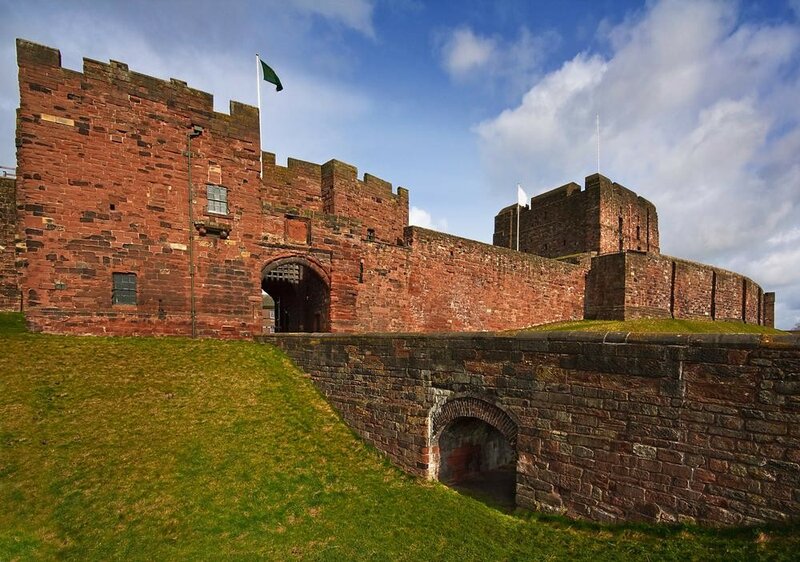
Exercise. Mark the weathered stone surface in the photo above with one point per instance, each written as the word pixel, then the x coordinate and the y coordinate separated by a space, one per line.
pixel 120 203
pixel 103 188
pixel 605 441
pixel 9 290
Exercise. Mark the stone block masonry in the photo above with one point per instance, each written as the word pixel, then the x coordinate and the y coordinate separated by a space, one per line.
pixel 119 205
pixel 104 196
pixel 607 427
pixel 9 290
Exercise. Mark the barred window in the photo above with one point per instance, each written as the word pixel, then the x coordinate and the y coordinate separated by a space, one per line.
pixel 124 288
pixel 217 199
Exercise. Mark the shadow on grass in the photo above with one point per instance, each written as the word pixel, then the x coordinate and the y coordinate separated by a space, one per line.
pixel 664 530
pixel 12 323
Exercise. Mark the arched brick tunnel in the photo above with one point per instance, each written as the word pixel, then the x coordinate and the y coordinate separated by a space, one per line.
pixel 473 449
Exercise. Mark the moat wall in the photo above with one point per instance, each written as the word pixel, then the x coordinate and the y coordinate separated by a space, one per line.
pixel 607 427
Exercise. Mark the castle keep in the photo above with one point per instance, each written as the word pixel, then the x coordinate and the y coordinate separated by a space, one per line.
pixel 140 210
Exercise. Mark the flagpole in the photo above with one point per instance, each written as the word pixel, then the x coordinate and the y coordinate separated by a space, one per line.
pixel 518 206
pixel 598 143
pixel 260 151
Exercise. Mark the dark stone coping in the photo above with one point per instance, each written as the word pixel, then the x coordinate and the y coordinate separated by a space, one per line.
pixel 739 341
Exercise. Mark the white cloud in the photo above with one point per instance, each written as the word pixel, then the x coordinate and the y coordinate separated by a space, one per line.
pixel 421 217
pixel 697 116
pixel 356 14
pixel 464 52
pixel 466 55
pixel 300 122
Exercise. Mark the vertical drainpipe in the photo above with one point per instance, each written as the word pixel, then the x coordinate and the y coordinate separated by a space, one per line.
pixel 194 133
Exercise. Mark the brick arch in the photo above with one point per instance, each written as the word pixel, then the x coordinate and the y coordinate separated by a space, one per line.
pixel 306 261
pixel 471 407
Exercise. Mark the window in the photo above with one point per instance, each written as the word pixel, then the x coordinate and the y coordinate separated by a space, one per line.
pixel 124 290
pixel 370 235
pixel 217 199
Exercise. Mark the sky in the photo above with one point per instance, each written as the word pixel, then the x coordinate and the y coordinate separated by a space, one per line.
pixel 699 101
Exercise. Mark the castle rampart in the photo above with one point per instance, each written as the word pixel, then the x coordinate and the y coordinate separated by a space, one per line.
pixel 119 206
pixel 631 284
pixel 141 210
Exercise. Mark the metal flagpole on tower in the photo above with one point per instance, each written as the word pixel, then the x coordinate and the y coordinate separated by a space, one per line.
pixel 598 143
pixel 522 199
pixel 260 151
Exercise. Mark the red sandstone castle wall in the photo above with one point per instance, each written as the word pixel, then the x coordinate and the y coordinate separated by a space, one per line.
pixel 103 188
pixel 458 284
pixel 9 291
pixel 605 288
pixel 661 286
pixel 119 203
pixel 567 221
pixel 619 205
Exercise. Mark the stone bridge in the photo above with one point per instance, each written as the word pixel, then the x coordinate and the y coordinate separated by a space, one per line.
pixel 607 427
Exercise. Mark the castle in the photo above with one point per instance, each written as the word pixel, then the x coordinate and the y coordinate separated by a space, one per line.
pixel 138 209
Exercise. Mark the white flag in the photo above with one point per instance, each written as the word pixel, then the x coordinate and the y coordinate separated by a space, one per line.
pixel 522 199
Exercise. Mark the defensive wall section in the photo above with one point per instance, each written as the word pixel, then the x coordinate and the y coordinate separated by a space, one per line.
pixel 632 284
pixel 140 210
pixel 103 161
pixel 9 291
pixel 606 427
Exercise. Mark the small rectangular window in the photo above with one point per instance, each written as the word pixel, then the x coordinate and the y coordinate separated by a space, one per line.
pixel 217 199
pixel 370 234
pixel 124 289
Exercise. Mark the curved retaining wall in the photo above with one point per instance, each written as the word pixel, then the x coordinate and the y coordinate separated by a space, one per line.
pixel 610 426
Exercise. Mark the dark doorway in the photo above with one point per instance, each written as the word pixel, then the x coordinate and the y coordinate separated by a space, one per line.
pixel 301 297
pixel 475 458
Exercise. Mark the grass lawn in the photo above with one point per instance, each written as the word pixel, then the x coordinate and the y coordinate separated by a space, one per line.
pixel 656 326
pixel 173 449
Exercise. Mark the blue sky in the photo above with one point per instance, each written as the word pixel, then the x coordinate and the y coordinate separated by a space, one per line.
pixel 459 101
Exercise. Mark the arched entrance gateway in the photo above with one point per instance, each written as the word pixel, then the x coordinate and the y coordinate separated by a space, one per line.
pixel 474 448
pixel 300 293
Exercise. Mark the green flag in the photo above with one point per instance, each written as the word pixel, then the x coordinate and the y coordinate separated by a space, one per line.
pixel 270 76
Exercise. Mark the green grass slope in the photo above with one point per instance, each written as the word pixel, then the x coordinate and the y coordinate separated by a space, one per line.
pixel 172 449
pixel 657 326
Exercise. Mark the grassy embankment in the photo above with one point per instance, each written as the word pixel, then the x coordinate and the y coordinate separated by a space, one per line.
pixel 172 449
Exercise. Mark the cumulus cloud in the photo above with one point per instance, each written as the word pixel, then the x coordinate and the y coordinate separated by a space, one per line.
pixel 464 52
pixel 300 122
pixel 356 14
pixel 467 55
pixel 697 116
pixel 421 217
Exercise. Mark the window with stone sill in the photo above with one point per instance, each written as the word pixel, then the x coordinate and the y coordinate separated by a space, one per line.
pixel 217 199
pixel 123 290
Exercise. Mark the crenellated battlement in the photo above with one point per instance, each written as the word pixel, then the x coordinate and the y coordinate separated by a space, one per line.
pixel 126 180
pixel 334 188
pixel 604 217
pixel 179 97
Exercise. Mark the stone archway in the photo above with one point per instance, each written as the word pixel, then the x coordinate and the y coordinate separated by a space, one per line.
pixel 299 291
pixel 474 449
